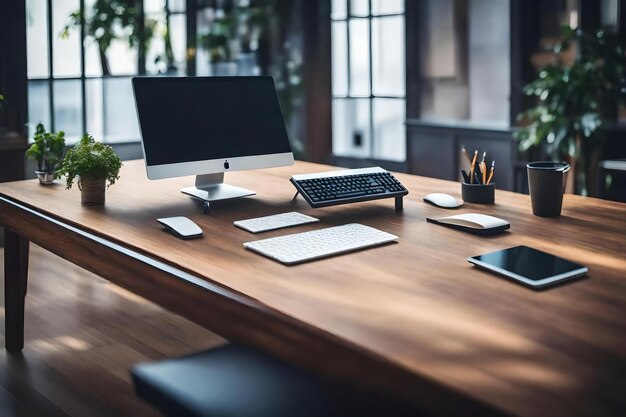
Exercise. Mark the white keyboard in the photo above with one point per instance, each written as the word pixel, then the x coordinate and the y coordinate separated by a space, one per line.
pixel 300 247
pixel 277 221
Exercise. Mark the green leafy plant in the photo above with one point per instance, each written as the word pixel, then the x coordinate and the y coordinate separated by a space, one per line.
pixel 90 159
pixel 110 20
pixel 47 149
pixel 575 99
pixel 216 40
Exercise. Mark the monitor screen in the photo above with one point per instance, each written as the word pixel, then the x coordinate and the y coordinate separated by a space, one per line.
pixel 187 119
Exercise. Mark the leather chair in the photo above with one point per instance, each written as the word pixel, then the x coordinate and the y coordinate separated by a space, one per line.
pixel 235 381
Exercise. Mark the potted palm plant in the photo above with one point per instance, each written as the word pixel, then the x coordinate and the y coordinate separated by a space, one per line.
pixel 575 100
pixel 47 150
pixel 96 166
pixel 112 20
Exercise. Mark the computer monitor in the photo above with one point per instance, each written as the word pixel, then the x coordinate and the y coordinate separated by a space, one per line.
pixel 206 126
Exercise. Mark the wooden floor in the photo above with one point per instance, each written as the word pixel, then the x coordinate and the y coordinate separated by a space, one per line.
pixel 83 334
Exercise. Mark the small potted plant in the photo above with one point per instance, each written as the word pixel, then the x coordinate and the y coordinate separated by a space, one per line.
pixel 47 151
pixel 94 164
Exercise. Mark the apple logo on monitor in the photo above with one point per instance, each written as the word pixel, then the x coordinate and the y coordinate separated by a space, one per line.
pixel 226 164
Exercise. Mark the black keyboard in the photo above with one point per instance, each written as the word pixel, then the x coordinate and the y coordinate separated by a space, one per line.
pixel 349 186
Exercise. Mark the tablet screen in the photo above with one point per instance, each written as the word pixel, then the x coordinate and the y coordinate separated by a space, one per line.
pixel 529 263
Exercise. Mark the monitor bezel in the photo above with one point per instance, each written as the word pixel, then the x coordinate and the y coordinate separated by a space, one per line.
pixel 211 166
pixel 217 166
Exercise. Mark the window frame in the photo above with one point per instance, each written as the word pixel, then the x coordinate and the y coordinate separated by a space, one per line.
pixel 191 14
pixel 371 97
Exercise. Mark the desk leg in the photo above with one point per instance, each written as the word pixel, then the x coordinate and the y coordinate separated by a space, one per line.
pixel 15 283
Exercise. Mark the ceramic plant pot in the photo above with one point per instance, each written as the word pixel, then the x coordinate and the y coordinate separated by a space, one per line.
pixel 45 177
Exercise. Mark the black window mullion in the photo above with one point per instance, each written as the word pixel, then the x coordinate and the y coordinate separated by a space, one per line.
pixel 191 7
pixel 348 79
pixel 83 86
pixel 141 48
pixel 371 80
pixel 50 66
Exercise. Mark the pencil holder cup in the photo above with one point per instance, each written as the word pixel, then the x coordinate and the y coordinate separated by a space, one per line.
pixel 478 193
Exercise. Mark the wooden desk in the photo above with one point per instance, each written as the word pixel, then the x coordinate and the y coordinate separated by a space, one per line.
pixel 413 318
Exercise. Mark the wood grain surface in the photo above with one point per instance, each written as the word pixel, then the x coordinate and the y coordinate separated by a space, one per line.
pixel 83 336
pixel 412 317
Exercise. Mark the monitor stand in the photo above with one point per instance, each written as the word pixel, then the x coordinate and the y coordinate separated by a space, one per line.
pixel 211 187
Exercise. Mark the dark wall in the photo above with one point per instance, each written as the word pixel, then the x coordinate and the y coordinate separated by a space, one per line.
pixel 13 64
pixel 434 150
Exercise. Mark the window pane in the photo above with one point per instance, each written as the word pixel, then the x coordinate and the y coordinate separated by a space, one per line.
pixel 38 105
pixel 204 19
pixel 67 108
pixel 388 55
pixel 359 7
pixel 94 108
pixel 37 38
pixel 66 51
pixel 178 37
pixel 122 58
pixel 340 58
pixel 93 66
pixel 351 127
pixel 387 6
pixel 156 59
pixel 389 129
pixel 359 57
pixel 338 9
pixel 153 6
pixel 176 5
pixel 120 117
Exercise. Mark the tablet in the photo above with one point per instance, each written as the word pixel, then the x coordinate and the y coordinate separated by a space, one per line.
pixel 529 266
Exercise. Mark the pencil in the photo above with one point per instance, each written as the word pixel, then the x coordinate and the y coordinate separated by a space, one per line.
pixel 493 167
pixel 473 166
pixel 483 169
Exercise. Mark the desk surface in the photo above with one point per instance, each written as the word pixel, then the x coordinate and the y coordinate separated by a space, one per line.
pixel 431 327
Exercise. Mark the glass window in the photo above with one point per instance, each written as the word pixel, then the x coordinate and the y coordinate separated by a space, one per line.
pixel 368 84
pixel 388 116
pixel 66 49
pixel 38 104
pixel 339 9
pixel 380 7
pixel 359 57
pixel 388 76
pixel 351 127
pixel 340 58
pixel 88 87
pixel 119 114
pixel 37 38
pixel 68 104
pixel 359 7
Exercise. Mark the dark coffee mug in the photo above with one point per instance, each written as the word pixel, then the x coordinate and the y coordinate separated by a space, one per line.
pixel 546 182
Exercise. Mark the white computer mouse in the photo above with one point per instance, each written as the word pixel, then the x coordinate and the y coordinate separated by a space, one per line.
pixel 181 227
pixel 443 200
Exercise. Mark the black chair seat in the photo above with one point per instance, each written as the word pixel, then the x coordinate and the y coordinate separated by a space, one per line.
pixel 234 381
